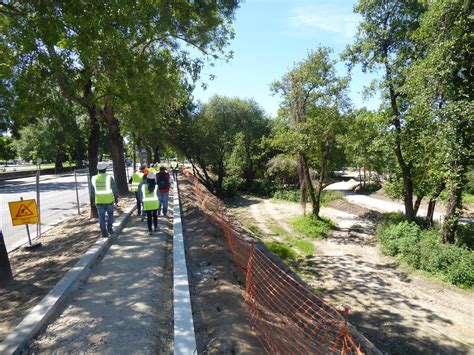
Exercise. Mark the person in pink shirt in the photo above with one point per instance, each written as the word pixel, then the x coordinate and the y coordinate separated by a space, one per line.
pixel 164 182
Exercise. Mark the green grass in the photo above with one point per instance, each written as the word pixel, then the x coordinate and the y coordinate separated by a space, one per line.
pixel 305 247
pixel 328 196
pixel 277 229
pixel 468 198
pixel 311 227
pixel 281 250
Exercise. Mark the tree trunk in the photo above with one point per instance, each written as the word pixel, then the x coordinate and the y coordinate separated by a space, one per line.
pixel 134 157
pixel 149 157
pixel 116 146
pixel 365 174
pixel 417 204
pixel 308 187
pixel 220 179
pixel 58 162
pixel 452 213
pixel 432 203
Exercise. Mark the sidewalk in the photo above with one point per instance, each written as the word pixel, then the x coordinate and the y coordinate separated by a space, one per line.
pixel 124 306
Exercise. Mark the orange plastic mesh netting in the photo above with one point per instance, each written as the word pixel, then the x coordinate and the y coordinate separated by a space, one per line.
pixel 287 315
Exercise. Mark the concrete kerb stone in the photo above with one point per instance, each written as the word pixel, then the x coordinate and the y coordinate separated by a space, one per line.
pixel 184 336
pixel 41 314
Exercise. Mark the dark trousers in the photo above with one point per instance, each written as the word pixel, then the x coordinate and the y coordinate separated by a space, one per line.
pixel 175 174
pixel 149 215
pixel 139 203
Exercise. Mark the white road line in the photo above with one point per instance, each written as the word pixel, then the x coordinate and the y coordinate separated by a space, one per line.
pixel 184 337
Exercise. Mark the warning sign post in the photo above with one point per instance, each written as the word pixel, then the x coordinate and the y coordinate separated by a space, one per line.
pixel 23 212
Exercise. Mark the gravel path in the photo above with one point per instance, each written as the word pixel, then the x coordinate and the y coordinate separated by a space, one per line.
pixel 398 312
pixel 124 306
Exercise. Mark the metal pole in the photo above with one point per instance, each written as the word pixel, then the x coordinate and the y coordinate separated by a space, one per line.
pixel 38 226
pixel 77 192
pixel 27 228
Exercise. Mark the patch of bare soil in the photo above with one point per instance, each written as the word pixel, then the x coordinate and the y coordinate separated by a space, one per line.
pixel 400 313
pixel 37 272
pixel 216 286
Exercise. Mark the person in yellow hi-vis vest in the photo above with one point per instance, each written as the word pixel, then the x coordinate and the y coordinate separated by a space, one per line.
pixel 135 181
pixel 104 193
pixel 149 197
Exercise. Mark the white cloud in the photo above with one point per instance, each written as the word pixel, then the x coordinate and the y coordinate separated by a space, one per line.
pixel 313 19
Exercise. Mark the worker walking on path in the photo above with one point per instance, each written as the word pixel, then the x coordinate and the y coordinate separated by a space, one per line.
pixel 174 166
pixel 149 196
pixel 135 181
pixel 164 181
pixel 104 193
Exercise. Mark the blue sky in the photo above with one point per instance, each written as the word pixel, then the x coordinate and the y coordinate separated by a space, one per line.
pixel 273 35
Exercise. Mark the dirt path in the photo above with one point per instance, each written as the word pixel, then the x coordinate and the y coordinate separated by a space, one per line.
pixel 125 305
pixel 400 313
pixel 36 272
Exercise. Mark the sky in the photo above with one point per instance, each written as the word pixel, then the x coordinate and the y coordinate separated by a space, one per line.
pixel 273 35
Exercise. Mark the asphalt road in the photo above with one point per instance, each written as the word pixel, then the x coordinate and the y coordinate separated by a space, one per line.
pixel 57 201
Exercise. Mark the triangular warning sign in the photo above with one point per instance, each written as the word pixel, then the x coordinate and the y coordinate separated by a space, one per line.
pixel 24 211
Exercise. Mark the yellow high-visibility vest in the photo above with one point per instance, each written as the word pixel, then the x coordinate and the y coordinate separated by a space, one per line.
pixel 103 189
pixel 150 200
pixel 136 179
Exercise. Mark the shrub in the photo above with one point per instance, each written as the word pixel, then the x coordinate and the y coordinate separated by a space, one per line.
pixel 421 249
pixel 465 235
pixel 295 196
pixel 287 195
pixel 231 184
pixel 311 227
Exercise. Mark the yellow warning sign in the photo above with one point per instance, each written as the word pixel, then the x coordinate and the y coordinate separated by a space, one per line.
pixel 23 212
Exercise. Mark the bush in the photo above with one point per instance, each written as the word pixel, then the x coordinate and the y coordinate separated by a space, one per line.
pixel 287 195
pixel 311 227
pixel 465 235
pixel 295 196
pixel 258 187
pixel 231 185
pixel 421 249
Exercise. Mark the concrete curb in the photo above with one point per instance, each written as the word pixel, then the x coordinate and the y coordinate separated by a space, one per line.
pixel 42 313
pixel 184 337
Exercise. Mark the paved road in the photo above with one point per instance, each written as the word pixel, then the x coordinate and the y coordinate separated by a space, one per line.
pixel 57 201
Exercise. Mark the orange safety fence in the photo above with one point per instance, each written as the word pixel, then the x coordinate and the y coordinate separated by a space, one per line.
pixel 287 315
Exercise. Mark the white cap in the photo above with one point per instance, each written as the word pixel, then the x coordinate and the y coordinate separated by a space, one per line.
pixel 102 165
pixel 150 176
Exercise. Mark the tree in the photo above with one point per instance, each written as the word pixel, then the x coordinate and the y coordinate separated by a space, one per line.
pixel 383 41
pixel 88 48
pixel 7 151
pixel 209 135
pixel 364 142
pixel 311 85
pixel 440 84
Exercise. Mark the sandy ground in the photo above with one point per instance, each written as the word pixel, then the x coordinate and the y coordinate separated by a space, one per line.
pixel 400 313
pixel 124 306
pixel 216 286
pixel 37 272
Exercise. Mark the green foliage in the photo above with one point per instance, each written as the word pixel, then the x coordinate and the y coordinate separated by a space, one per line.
pixel 231 185
pixel 311 227
pixel 295 196
pixel 421 249
pixel 282 171
pixel 465 235
pixel 7 150
pixel 281 250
